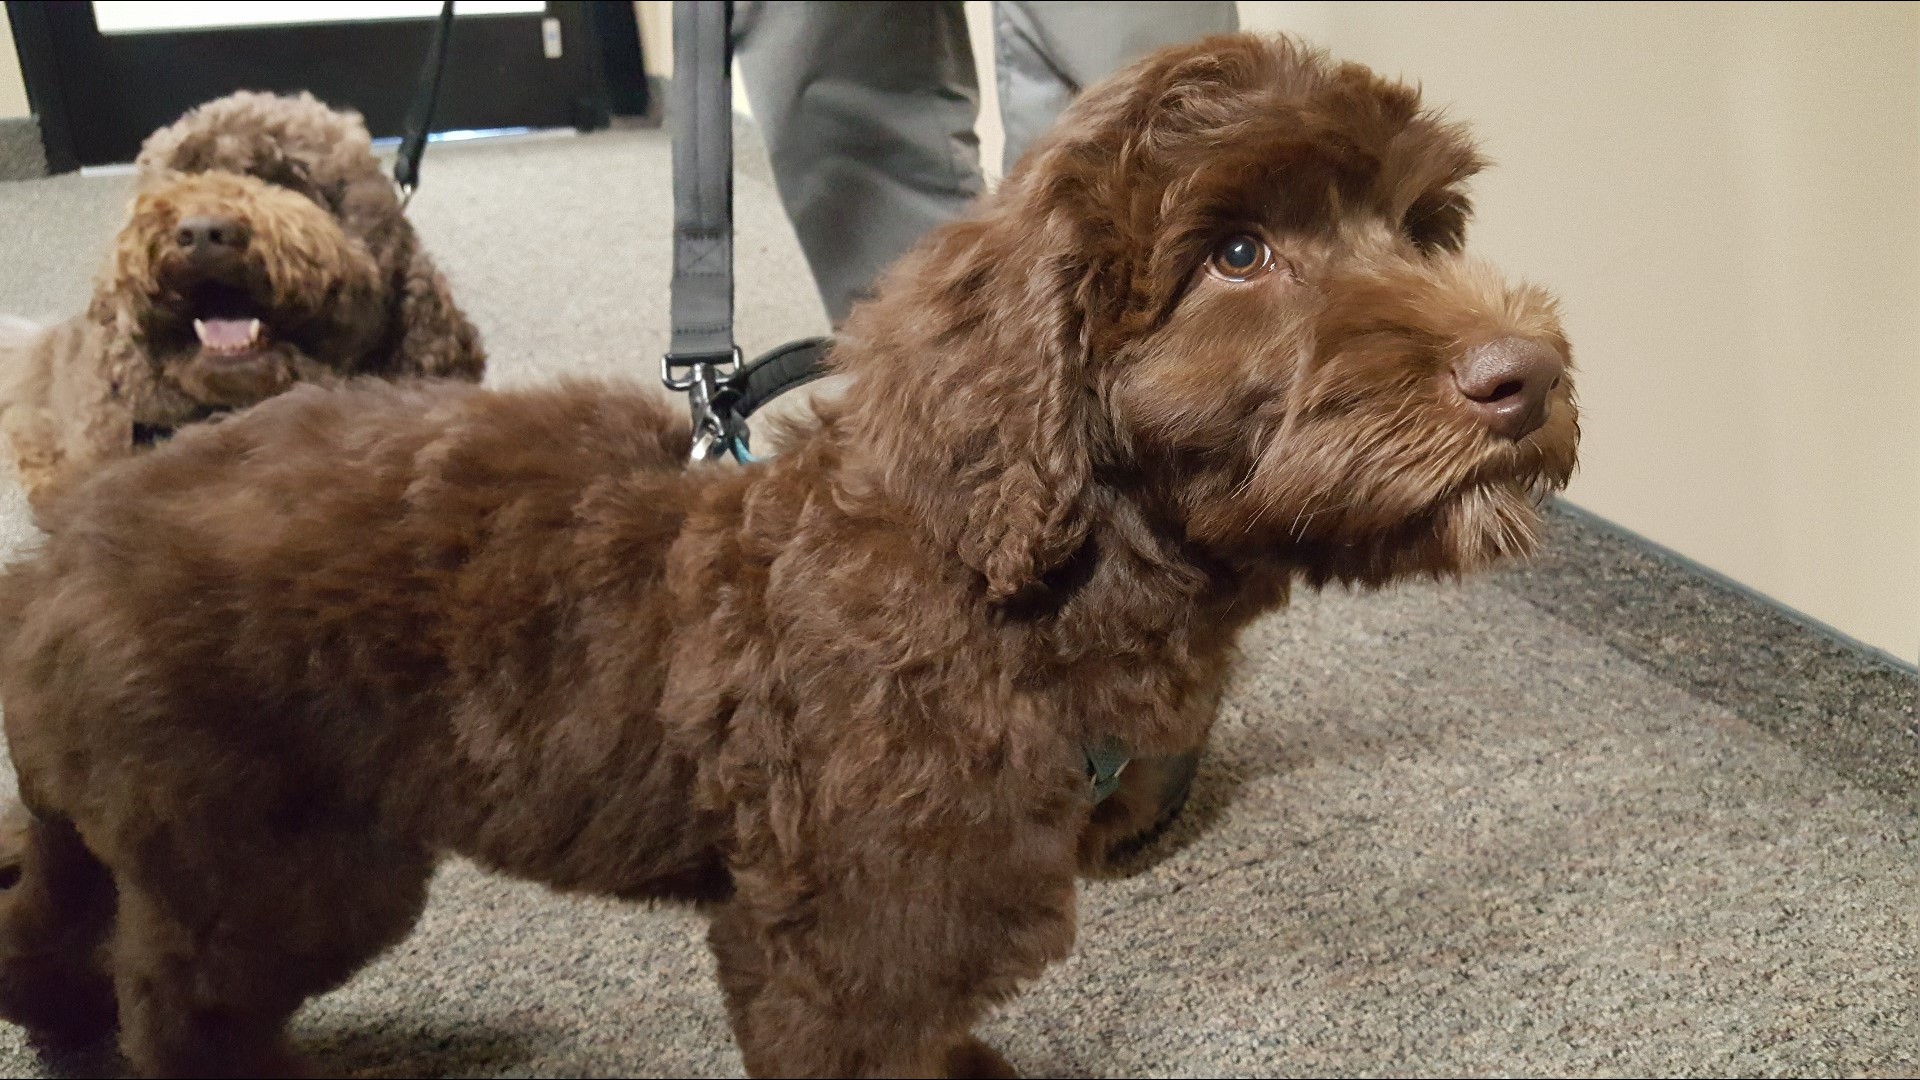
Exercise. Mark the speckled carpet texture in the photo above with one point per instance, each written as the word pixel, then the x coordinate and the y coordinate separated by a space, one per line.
pixel 1594 815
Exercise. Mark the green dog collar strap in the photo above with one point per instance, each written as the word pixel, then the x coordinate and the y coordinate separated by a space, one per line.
pixel 1106 760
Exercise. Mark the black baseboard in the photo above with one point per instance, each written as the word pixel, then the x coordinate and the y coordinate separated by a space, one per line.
pixel 1840 701
pixel 1872 653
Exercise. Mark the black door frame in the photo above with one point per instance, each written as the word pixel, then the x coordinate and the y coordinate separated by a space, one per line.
pixel 97 96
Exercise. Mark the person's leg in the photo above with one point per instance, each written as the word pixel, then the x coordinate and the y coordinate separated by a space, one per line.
pixel 1046 52
pixel 867 110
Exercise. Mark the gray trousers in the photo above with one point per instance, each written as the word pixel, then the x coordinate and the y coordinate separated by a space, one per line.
pixel 868 107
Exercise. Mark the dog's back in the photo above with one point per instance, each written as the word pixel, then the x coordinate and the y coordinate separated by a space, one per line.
pixel 364 604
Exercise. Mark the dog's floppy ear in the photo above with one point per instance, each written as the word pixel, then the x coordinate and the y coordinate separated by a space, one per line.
pixel 1026 488
pixel 974 362
pixel 981 355
pixel 434 337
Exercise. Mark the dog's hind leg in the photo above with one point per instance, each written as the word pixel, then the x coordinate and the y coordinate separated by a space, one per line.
pixel 220 942
pixel 53 925
pixel 738 959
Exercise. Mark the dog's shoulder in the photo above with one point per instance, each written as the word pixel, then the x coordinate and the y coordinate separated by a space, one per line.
pixel 34 356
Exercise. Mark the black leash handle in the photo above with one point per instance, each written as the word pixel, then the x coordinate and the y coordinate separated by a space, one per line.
pixel 413 143
pixel 779 370
pixel 740 394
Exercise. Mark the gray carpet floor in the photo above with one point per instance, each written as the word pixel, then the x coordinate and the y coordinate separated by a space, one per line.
pixel 1595 815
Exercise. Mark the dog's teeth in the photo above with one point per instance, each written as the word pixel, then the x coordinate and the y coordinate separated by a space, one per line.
pixel 225 337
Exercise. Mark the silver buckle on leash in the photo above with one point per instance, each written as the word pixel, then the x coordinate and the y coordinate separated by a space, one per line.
pixel 699 379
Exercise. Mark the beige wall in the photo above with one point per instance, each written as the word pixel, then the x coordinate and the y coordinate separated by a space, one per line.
pixel 1727 197
pixel 13 90
pixel 656 36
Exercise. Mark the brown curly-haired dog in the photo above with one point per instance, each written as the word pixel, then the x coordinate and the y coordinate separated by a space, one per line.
pixel 1215 334
pixel 264 247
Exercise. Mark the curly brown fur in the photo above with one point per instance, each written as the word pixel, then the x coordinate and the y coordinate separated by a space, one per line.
pixel 315 248
pixel 271 672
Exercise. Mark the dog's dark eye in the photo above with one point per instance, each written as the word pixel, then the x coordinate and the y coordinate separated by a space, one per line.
pixel 1238 258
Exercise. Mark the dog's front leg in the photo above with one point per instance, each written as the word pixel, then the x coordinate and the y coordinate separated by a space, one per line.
pixel 796 1014
pixel 878 961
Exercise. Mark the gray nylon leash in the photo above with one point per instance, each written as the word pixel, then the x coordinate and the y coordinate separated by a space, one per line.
pixel 703 360
pixel 701 111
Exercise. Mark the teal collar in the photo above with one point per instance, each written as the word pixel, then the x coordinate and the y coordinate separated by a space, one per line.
pixel 1106 760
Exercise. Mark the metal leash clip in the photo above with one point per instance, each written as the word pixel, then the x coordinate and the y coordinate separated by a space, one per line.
pixel 701 380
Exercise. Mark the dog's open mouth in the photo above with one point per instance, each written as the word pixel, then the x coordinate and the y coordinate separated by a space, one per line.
pixel 227 323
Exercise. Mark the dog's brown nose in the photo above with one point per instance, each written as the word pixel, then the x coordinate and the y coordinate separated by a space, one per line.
pixel 207 236
pixel 1507 383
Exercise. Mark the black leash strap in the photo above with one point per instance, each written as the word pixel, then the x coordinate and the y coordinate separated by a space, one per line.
pixel 739 395
pixel 413 142
pixel 794 364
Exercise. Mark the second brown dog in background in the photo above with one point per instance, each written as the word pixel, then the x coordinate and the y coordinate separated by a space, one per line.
pixel 264 247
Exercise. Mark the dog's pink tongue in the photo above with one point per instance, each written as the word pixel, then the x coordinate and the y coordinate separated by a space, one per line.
pixel 227 334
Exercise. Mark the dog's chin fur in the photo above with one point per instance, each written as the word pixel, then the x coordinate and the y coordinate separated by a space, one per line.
pixel 261 678
pixel 1467 532
pixel 1460 519
pixel 235 382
